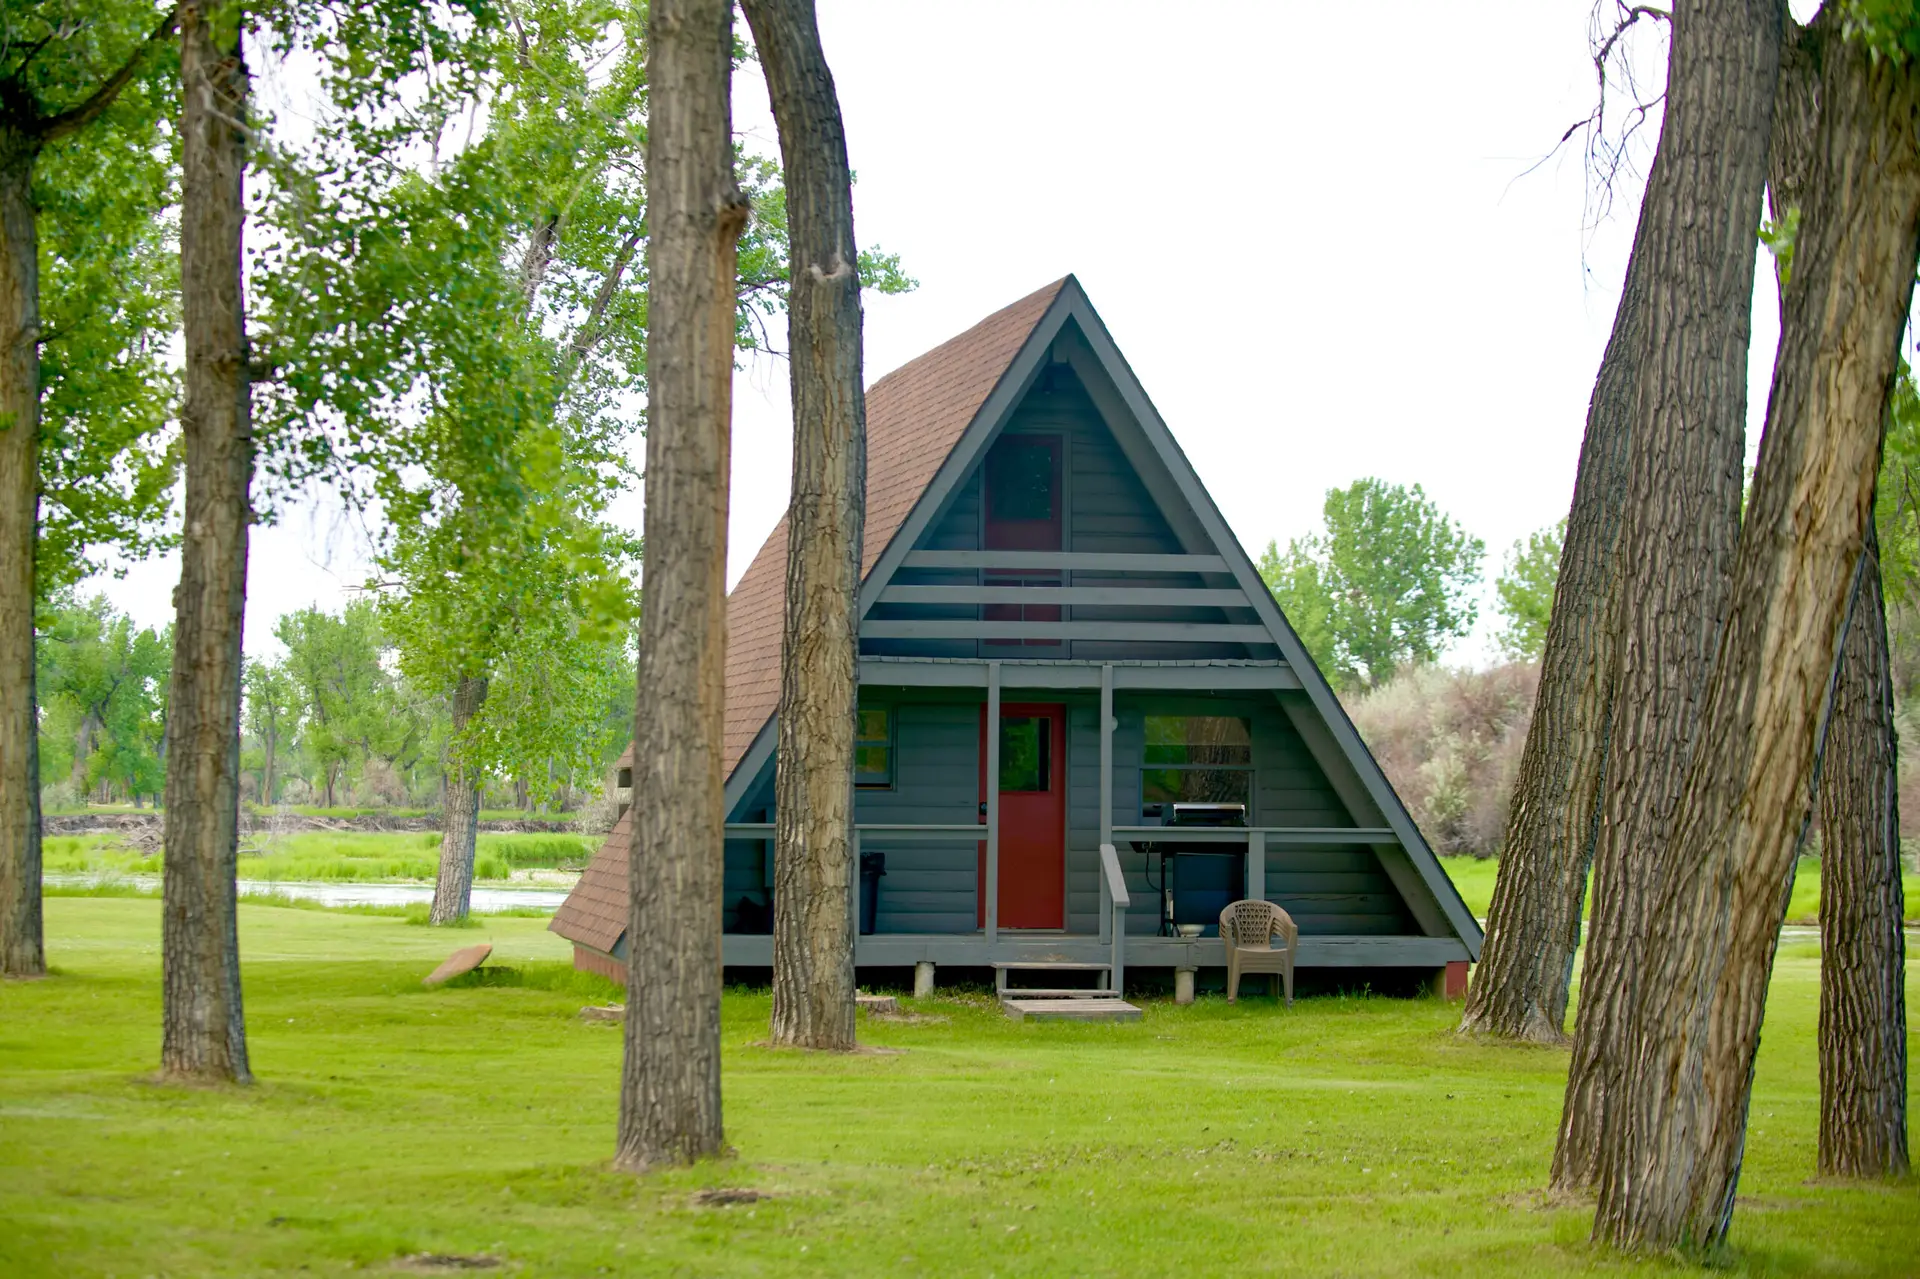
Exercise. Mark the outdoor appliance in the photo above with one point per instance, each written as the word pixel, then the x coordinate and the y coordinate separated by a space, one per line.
pixel 1198 879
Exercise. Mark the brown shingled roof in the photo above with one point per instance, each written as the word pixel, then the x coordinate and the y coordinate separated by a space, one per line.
pixel 915 416
pixel 595 912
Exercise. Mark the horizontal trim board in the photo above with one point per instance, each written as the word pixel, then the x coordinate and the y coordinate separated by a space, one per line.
pixel 1281 835
pixel 1013 675
pixel 1109 596
pixel 1104 561
pixel 898 950
pixel 964 628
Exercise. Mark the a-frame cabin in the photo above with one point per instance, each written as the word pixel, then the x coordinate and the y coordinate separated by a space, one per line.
pixel 1040 555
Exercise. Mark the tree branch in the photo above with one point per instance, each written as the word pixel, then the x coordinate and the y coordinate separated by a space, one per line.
pixel 591 328
pixel 58 126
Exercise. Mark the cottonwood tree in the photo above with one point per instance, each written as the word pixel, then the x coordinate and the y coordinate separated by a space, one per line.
pixel 272 721
pixel 524 634
pixel 1525 589
pixel 1386 584
pixel 1673 1162
pixel 813 969
pixel 103 690
pixel 1863 1014
pixel 348 700
pixel 62 67
pixel 203 1028
pixel 501 283
pixel 670 1081
pixel 1863 1025
pixel 1644 569
pixel 1681 520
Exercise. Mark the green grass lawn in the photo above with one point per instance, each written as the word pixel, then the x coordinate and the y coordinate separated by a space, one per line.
pixel 1346 1136
pixel 344 856
pixel 1474 877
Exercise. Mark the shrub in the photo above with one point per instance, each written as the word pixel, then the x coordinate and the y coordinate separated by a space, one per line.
pixel 1450 742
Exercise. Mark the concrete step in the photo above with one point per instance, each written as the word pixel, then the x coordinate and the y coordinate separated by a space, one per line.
pixel 1070 1009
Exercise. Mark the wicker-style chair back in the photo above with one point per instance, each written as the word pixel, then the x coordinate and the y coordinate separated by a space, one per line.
pixel 1249 928
pixel 1251 924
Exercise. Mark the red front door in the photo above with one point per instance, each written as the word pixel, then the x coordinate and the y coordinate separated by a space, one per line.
pixel 1033 815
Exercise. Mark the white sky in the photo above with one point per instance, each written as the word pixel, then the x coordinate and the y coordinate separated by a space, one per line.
pixel 1309 228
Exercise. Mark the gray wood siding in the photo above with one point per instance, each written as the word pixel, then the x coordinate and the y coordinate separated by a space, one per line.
pixel 1108 509
pixel 930 886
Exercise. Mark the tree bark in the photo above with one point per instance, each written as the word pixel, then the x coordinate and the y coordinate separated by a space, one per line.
pixel 1727 869
pixel 1863 1015
pixel 1520 985
pixel 1863 1007
pixel 670 1083
pixel 813 921
pixel 453 887
pixel 22 937
pixel 204 1033
pixel 1681 513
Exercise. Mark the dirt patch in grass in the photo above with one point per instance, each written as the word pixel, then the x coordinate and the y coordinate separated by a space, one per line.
pixel 446 1263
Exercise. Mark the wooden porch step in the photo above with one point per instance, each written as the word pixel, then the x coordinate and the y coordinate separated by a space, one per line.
pixel 1014 992
pixel 1042 965
pixel 1070 1009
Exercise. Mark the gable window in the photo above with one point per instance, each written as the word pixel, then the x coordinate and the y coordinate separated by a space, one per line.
pixel 1196 759
pixel 873 749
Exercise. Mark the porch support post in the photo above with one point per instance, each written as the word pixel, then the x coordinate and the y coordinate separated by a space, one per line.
pixel 992 913
pixel 1257 865
pixel 1110 926
pixel 853 897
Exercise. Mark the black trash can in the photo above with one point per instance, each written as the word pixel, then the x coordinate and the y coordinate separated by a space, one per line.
pixel 872 867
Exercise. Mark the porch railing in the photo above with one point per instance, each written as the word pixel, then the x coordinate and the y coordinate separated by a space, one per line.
pixel 1117 903
pixel 1257 840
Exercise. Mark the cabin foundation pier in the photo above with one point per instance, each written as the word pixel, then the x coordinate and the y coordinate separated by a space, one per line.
pixel 923 980
pixel 1183 985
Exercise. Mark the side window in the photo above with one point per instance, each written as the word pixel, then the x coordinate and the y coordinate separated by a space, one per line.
pixel 873 749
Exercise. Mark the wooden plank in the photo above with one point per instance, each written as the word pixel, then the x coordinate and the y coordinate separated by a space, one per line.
pixel 990 914
pixel 1082 561
pixel 1275 836
pixel 1063 965
pixel 1107 596
pixel 1070 1010
pixel 1196 677
pixel 1144 632
pixel 1023 992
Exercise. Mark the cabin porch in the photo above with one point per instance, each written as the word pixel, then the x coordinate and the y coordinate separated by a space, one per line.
pixel 958 889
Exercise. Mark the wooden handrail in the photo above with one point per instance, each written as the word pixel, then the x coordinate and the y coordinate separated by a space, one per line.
pixel 1116 882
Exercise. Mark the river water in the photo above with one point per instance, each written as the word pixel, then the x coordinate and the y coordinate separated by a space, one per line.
pixel 484 900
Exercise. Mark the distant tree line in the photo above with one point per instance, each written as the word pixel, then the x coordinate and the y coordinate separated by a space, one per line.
pixel 334 721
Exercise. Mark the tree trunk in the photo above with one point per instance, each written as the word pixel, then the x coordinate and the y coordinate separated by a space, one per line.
pixel 670 1084
pixel 1728 866
pixel 1681 514
pixel 22 939
pixel 204 1034
pixel 1863 1007
pixel 453 888
pixel 813 920
pixel 1863 1015
pixel 1520 985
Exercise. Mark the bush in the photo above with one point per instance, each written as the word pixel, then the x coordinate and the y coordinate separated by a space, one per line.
pixel 1450 742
